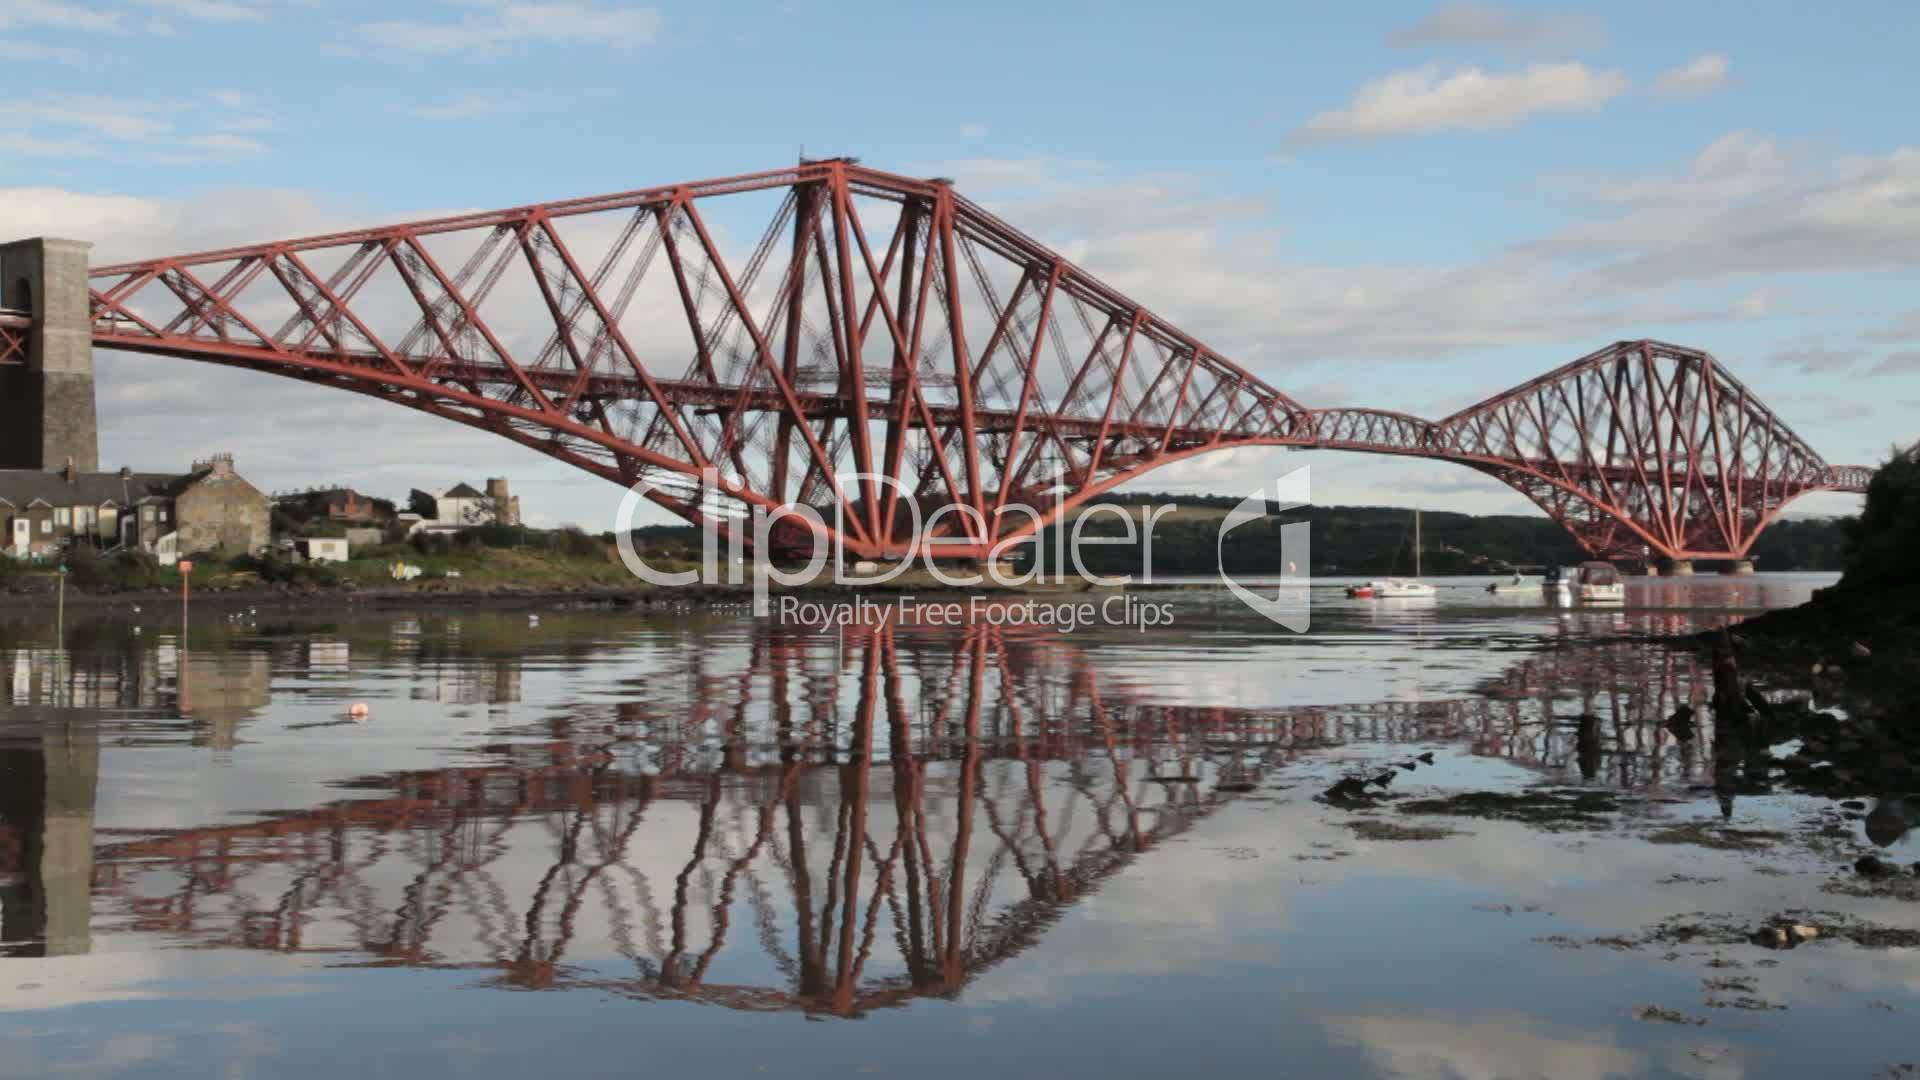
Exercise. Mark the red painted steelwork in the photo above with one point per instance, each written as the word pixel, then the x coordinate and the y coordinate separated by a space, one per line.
pixel 13 337
pixel 886 326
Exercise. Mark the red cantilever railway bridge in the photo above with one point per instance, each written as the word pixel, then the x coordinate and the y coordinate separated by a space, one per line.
pixel 889 346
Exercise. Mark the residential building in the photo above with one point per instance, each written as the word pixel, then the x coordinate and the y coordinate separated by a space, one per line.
pixel 209 508
pixel 463 507
pixel 339 504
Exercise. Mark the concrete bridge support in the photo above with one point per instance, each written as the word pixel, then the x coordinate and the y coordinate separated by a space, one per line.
pixel 1737 566
pixel 47 413
pixel 1676 567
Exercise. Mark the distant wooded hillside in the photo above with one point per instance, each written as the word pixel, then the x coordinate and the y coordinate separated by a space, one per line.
pixel 1355 540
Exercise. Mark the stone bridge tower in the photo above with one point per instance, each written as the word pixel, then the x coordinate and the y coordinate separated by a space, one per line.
pixel 46 408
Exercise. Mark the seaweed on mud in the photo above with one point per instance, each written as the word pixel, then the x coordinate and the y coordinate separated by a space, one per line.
pixel 1657 1014
pixel 1895 887
pixel 1716 835
pixel 1725 929
pixel 1374 829
pixel 1748 1002
pixel 1543 807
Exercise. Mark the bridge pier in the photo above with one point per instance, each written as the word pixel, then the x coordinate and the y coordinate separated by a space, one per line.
pixel 1737 567
pixel 47 415
pixel 1676 567
pixel 46 811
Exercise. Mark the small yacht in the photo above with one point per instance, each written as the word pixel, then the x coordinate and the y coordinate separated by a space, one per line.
pixel 1399 588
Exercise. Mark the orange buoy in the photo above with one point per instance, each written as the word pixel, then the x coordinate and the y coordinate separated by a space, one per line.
pixel 358 710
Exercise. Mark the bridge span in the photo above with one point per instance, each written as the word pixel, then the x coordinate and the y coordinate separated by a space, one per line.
pixel 886 347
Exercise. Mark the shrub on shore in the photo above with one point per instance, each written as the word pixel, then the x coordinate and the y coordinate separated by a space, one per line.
pixel 1886 536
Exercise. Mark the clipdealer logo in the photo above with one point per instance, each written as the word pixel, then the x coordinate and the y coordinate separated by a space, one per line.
pixel 727 564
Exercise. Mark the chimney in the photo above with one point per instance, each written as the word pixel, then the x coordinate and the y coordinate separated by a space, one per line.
pixel 70 472
pixel 220 464
pixel 126 473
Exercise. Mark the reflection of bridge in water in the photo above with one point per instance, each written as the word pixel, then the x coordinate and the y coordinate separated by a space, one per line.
pixel 803 823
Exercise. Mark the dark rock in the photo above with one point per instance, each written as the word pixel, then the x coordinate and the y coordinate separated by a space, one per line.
pixel 1383 779
pixel 1853 804
pixel 1347 790
pixel 1871 866
pixel 1426 758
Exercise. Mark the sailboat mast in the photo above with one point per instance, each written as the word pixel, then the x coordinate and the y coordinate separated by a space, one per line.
pixel 1416 543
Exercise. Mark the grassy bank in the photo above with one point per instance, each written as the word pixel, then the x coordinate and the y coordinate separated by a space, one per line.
pixel 475 561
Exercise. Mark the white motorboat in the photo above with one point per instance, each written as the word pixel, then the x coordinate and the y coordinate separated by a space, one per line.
pixel 1600 583
pixel 1400 589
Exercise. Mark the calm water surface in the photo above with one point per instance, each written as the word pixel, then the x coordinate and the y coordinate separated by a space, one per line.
pixel 700 844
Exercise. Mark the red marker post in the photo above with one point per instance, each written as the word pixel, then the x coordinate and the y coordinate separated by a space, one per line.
pixel 186 570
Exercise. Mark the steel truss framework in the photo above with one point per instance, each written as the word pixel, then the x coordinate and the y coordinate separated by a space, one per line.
pixel 889 349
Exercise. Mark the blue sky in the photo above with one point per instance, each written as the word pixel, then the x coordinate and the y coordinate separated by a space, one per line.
pixel 1403 205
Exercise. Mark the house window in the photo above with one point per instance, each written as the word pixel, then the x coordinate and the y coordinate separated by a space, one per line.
pixel 88 517
pixel 62 516
pixel 46 525
pixel 146 514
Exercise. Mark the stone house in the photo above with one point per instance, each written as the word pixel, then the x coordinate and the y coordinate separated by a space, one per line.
pixel 210 508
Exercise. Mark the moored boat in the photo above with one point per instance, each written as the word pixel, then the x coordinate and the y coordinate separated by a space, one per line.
pixel 1599 583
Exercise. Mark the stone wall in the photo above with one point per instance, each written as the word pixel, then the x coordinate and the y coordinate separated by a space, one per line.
pixel 221 512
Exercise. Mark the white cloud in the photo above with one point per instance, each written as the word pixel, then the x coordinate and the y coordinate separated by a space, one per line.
pixel 1699 76
pixel 498 26
pixel 58 15
pixel 973 131
pixel 79 125
pixel 467 107
pixel 27 52
pixel 1746 207
pixel 1477 25
pixel 1906 362
pixel 1737 165
pixel 1815 360
pixel 109 117
pixel 1485 1046
pixel 27 145
pixel 1434 98
pixel 242 112
pixel 1757 304
pixel 1905 328
pixel 212 10
pixel 227 145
